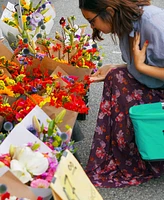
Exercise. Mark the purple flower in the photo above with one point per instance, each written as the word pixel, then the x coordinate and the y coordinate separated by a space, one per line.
pixel 36 17
pixel 58 149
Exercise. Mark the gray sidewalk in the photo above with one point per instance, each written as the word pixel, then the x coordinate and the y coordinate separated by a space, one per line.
pixel 152 190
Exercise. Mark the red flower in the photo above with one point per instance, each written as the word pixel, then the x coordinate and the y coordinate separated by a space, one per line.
pixel 18 88
pixel 62 21
pixel 57 47
pixel 39 198
pixel 7 112
pixel 5 196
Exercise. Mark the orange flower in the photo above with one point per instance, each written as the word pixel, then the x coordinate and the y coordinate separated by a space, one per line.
pixel 34 99
pixel 7 91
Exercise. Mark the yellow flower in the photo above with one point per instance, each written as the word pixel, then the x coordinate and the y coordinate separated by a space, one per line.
pixel 46 100
pixel 7 91
pixel 66 99
pixel 2 84
pixel 2 58
pixel 6 19
pixel 6 105
pixel 24 18
pixel 48 89
pixel 20 77
pixel 83 61
pixel 47 18
pixel 60 61
pixel 22 2
pixel 54 99
pixel 55 76
pixel 26 6
pixel 88 56
pixel 9 81
pixel 17 95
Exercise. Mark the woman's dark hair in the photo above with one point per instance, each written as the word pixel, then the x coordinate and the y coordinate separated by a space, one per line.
pixel 125 11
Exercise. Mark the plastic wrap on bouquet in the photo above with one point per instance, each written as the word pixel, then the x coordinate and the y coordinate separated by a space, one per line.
pixel 1 35
pixel 21 132
pixel 7 29
pixel 7 13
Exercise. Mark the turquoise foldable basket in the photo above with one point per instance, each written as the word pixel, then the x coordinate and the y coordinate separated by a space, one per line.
pixel 148 123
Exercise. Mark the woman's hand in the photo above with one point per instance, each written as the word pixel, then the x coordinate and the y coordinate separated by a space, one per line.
pixel 139 54
pixel 101 73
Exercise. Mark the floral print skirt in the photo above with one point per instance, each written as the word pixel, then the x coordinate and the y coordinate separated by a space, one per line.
pixel 114 159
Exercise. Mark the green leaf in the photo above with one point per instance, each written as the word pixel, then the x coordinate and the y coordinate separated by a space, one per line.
pixel 60 116
pixel 51 127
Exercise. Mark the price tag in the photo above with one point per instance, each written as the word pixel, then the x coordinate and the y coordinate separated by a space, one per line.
pixel 70 181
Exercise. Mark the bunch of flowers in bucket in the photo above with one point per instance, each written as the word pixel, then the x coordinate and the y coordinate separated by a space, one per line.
pixel 20 81
pixel 20 92
pixel 73 51
pixel 15 85
pixel 72 46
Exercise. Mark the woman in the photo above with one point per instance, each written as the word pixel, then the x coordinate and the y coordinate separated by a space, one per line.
pixel 114 158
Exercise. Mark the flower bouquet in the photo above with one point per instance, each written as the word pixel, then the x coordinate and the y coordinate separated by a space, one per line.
pixel 39 88
pixel 20 93
pixel 46 129
pixel 43 128
pixel 29 159
pixel 36 130
pixel 26 17
pixel 33 163
pixel 30 166
pixel 73 50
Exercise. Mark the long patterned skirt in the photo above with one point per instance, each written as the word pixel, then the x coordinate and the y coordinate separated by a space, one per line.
pixel 114 159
